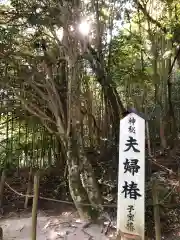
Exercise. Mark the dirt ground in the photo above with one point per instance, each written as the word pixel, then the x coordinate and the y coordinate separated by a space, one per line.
pixel 55 220
pixel 50 227
pixel 55 224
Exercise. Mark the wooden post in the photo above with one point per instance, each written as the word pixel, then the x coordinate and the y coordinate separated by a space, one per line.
pixel 156 211
pixel 29 187
pixel 3 176
pixel 1 233
pixel 35 206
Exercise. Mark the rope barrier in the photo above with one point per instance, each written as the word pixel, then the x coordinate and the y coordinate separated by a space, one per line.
pixel 170 171
pixel 103 205
pixel 82 204
pixel 57 200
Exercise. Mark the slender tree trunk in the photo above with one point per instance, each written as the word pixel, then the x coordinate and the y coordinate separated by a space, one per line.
pixel 162 134
pixel 171 114
pixel 89 97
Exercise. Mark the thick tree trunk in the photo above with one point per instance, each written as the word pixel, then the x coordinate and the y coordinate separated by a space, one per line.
pixel 82 183
pixel 77 191
pixel 88 178
pixel 90 184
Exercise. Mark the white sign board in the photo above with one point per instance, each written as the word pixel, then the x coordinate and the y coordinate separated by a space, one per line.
pixel 131 183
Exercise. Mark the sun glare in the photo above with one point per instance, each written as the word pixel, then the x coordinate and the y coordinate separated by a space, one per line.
pixel 5 2
pixel 84 28
pixel 59 33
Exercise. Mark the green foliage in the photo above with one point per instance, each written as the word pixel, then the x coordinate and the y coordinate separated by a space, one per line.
pixel 136 61
pixel 130 61
pixel 24 142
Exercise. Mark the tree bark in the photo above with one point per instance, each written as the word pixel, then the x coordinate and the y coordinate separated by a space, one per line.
pixel 108 88
pixel 82 183
pixel 77 191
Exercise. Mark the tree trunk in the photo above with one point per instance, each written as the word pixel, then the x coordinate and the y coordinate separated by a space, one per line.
pixel 77 191
pixel 162 134
pixel 108 88
pixel 88 178
pixel 82 182
pixel 172 122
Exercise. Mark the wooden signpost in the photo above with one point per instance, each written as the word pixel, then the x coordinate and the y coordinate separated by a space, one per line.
pixel 131 183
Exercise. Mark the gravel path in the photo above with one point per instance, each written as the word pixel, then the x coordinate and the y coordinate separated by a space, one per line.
pixel 65 226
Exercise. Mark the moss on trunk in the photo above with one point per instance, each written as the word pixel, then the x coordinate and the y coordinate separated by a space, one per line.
pixel 82 182
pixel 77 191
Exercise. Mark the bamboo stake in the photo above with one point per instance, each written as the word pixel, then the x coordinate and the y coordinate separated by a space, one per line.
pixel 148 139
pixel 3 176
pixel 35 206
pixel 29 187
pixel 156 211
pixel 1 233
